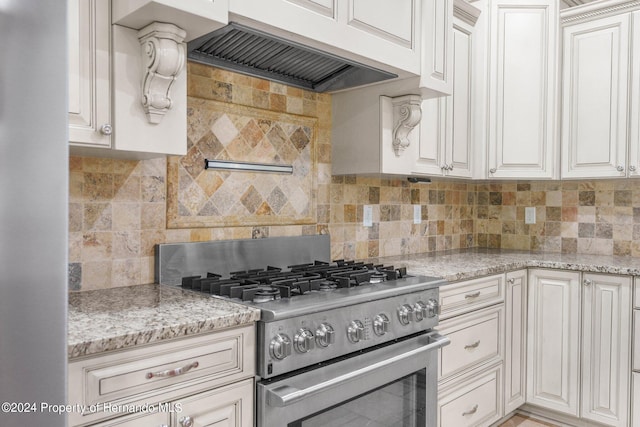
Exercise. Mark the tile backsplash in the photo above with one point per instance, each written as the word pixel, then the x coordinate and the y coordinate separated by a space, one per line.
pixel 600 217
pixel 118 208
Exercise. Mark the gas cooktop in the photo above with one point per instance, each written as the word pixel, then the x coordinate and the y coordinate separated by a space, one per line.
pixel 283 276
pixel 308 288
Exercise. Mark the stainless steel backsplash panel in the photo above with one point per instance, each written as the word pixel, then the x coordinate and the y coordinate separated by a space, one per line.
pixel 177 260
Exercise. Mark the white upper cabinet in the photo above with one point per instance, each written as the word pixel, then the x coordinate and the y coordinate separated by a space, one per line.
pixel 633 164
pixel 522 93
pixel 446 128
pixel 89 76
pixel 594 110
pixel 109 79
pixel 379 33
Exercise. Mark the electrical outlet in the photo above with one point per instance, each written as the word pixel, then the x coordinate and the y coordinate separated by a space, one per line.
pixel 367 216
pixel 417 214
pixel 529 215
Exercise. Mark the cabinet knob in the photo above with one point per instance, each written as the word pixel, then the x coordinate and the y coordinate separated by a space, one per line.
pixel 450 167
pixel 620 168
pixel 632 168
pixel 106 129
pixel 186 422
pixel 512 280
pixel 587 282
pixel 493 170
pixel 444 167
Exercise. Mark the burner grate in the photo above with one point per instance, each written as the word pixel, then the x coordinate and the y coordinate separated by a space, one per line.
pixel 261 285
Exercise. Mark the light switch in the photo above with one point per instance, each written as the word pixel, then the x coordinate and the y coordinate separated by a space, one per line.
pixel 530 215
pixel 367 216
pixel 417 214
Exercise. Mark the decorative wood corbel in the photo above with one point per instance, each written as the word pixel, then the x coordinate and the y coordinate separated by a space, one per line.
pixel 406 116
pixel 163 58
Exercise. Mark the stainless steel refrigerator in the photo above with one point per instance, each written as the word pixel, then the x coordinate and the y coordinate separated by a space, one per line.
pixel 33 210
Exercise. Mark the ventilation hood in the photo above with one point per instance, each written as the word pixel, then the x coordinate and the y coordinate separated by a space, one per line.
pixel 255 53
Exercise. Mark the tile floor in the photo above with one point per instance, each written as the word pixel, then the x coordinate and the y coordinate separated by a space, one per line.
pixel 522 421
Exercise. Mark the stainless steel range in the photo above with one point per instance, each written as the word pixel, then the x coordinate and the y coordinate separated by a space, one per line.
pixel 334 336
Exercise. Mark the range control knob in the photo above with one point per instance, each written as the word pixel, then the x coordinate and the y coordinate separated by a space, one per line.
pixel 355 331
pixel 381 324
pixel 433 308
pixel 420 311
pixel 304 340
pixel 280 346
pixel 405 314
pixel 325 335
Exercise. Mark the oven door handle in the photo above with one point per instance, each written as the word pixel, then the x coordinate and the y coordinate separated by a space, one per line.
pixel 286 395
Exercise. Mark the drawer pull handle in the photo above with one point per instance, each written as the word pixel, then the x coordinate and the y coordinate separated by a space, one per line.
pixel 471 411
pixel 473 295
pixel 472 346
pixel 173 372
pixel 186 422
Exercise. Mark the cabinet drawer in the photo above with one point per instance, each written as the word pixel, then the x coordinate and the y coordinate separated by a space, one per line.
pixel 636 340
pixel 476 401
pixel 475 339
pixel 231 405
pixel 471 295
pixel 147 374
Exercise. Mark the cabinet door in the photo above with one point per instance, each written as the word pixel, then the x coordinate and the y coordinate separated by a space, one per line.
pixel 523 96
pixel 516 340
pixel 553 340
pixel 594 110
pixel 634 121
pixel 230 406
pixel 446 127
pixel 89 26
pixel 458 146
pixel 434 131
pixel 437 50
pixel 606 348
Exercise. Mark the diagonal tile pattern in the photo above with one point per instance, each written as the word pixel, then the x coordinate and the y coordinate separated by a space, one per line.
pixel 207 198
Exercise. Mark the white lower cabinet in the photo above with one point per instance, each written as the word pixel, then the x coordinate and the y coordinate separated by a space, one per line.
pixel 635 376
pixel 471 380
pixel 515 340
pixel 553 340
pixel 635 407
pixel 579 336
pixel 606 348
pixel 201 380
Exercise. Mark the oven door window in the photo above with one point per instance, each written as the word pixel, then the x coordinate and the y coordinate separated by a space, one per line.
pixel 401 403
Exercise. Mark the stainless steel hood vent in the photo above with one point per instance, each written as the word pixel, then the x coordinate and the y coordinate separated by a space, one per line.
pixel 255 53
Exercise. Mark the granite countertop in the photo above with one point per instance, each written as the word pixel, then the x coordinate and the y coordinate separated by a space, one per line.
pixel 468 264
pixel 117 318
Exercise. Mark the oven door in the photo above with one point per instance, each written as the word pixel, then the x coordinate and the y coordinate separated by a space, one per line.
pixel 395 385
